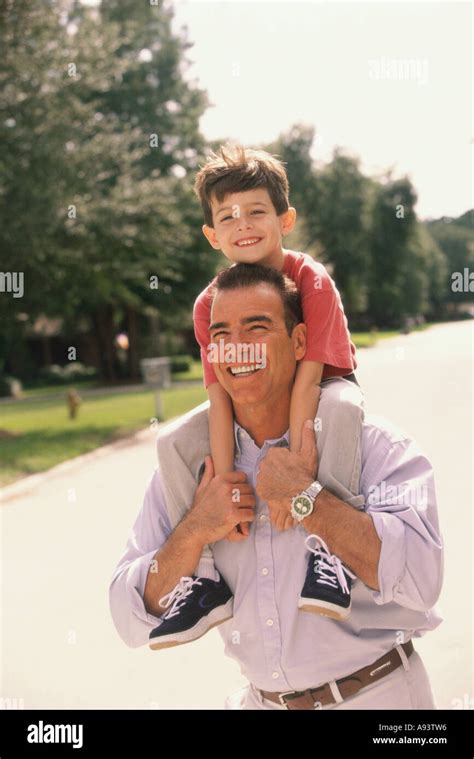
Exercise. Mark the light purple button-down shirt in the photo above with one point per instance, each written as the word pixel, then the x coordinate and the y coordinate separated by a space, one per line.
pixel 277 646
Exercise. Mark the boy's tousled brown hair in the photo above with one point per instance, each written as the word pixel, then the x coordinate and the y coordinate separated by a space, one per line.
pixel 237 169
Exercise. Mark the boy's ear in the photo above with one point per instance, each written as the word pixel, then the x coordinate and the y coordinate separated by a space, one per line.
pixel 210 235
pixel 288 221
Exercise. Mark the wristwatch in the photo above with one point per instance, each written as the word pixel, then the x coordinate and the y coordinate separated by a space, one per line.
pixel 302 505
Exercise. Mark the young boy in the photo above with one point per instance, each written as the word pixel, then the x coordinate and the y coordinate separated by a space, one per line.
pixel 244 196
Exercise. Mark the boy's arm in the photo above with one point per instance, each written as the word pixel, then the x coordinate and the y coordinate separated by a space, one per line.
pixel 201 322
pixel 304 398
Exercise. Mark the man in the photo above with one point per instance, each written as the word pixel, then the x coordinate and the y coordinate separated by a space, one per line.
pixel 388 538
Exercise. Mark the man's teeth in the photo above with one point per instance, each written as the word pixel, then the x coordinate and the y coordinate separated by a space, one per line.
pixel 248 242
pixel 243 369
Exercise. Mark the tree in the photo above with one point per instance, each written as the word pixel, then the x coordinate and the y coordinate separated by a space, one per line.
pixel 455 237
pixel 102 141
pixel 341 222
pixel 393 271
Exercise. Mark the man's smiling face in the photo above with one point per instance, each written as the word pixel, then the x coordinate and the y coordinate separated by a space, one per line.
pixel 255 314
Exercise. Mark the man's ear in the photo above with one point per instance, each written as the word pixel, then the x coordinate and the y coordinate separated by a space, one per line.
pixel 210 235
pixel 299 340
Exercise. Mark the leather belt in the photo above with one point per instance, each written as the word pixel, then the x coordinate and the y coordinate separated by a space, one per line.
pixel 315 698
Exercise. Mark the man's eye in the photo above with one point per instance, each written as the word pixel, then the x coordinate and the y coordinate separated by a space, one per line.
pixel 257 326
pixel 258 210
pixel 219 334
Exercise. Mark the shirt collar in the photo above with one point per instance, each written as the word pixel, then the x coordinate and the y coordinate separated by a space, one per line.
pixel 241 436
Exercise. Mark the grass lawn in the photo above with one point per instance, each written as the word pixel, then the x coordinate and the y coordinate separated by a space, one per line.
pixel 36 436
pixel 369 339
pixel 43 390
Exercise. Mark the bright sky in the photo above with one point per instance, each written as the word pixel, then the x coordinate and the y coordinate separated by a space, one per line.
pixel 390 81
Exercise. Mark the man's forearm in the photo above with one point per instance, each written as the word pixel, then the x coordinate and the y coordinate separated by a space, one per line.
pixel 177 558
pixel 349 533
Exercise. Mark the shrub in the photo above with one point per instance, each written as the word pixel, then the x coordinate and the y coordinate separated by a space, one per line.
pixel 181 363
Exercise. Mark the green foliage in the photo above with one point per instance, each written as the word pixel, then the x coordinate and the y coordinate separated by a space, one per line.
pixel 181 363
pixel 72 372
pixel 100 142
pixel 387 265
pixel 455 238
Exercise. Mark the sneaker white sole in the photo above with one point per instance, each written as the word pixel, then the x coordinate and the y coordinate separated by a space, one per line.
pixel 214 618
pixel 325 608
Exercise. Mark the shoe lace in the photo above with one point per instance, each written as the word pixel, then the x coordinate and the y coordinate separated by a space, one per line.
pixel 328 565
pixel 176 598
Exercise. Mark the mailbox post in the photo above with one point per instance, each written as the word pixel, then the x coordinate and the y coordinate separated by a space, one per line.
pixel 156 373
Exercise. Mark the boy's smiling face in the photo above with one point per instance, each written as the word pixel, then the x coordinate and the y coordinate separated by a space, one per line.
pixel 247 228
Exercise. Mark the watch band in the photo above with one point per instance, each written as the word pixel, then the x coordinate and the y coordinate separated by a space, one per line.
pixel 314 490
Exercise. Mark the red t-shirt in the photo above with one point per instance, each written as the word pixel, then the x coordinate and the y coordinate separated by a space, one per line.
pixel 328 336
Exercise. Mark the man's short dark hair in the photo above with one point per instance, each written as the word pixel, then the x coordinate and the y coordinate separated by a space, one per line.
pixel 249 275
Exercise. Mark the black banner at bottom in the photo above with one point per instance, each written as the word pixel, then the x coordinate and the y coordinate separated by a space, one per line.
pixel 29 733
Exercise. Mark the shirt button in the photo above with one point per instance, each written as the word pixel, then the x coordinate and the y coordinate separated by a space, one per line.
pixel 264 571
pixel 270 622
pixel 275 675
pixel 263 517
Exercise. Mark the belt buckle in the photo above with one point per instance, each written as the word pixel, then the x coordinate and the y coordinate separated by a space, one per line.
pixel 281 696
pixel 293 694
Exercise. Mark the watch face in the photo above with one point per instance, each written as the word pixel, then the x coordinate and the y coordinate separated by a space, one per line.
pixel 303 505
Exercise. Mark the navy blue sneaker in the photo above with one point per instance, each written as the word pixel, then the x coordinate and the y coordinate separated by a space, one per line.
pixel 194 606
pixel 327 587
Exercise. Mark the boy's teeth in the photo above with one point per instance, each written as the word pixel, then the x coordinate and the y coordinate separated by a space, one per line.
pixel 248 242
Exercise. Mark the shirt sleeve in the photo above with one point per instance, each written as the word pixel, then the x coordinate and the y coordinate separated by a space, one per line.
pixel 149 532
pixel 398 484
pixel 201 321
pixel 328 336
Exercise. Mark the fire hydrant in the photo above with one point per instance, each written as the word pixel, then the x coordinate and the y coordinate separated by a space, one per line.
pixel 73 403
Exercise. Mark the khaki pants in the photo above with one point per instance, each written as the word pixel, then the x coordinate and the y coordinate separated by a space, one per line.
pixel 404 688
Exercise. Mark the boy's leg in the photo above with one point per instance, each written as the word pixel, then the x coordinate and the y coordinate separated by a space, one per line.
pixel 339 435
pixel 186 619
pixel 327 585
pixel 177 510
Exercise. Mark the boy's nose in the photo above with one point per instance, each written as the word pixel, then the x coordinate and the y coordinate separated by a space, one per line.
pixel 245 222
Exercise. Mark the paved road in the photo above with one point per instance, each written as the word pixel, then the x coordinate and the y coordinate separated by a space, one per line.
pixel 62 535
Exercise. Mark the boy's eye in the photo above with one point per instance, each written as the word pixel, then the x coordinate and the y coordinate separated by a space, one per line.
pixel 257 210
pixel 218 334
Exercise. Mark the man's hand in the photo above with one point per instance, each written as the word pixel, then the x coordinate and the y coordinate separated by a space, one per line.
pixel 220 504
pixel 238 533
pixel 279 516
pixel 283 473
